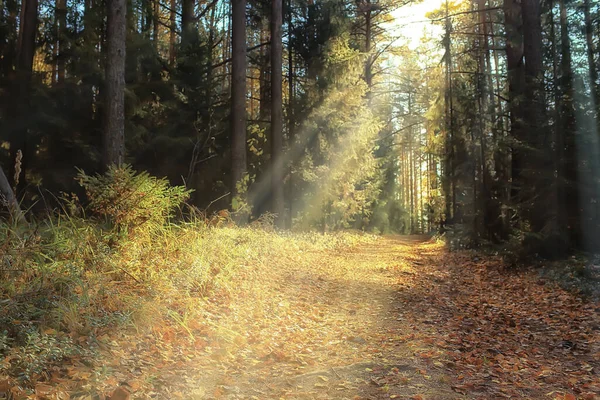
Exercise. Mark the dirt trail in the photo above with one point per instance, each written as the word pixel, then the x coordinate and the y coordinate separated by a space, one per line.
pixel 398 318
pixel 330 326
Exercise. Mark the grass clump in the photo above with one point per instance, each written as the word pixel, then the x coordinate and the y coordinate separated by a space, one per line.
pixel 71 282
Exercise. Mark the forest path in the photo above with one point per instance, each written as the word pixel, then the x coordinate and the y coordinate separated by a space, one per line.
pixel 330 326
pixel 395 318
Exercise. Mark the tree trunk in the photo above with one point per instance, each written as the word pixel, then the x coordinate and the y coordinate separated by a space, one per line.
pixel 8 47
pixel 264 76
pixel 114 124
pixel 188 22
pixel 20 106
pixel 61 19
pixel 539 205
pixel 369 61
pixel 277 199
pixel 27 33
pixel 238 103
pixel 449 175
pixel 516 81
pixel 568 125
pixel 172 32
pixel 590 49
pixel 290 114
pixel 155 23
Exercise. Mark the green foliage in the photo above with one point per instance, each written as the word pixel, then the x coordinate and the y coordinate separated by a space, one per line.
pixel 129 199
pixel 339 171
pixel 37 352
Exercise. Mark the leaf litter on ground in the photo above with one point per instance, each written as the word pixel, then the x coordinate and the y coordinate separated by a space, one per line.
pixel 370 318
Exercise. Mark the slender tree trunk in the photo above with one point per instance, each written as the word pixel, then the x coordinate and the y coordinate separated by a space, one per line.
pixel 539 205
pixel 557 132
pixel 265 76
pixel 61 17
pixel 188 22
pixel 114 123
pixel 156 23
pixel 516 81
pixel 238 102
pixel 369 61
pixel 27 33
pixel 172 32
pixel 449 175
pixel 21 89
pixel 570 187
pixel 590 50
pixel 277 164
pixel 8 45
pixel 291 116
pixel 147 19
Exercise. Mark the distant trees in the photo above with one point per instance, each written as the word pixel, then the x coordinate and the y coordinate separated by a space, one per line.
pixel 316 112
pixel 525 164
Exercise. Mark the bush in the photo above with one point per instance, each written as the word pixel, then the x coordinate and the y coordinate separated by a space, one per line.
pixel 130 200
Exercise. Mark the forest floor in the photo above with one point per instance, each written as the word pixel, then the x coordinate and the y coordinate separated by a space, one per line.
pixel 395 318
pixel 386 318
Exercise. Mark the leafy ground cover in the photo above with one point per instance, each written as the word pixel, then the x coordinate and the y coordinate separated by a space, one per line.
pixel 248 314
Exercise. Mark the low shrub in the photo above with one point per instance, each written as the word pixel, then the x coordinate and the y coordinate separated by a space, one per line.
pixel 131 200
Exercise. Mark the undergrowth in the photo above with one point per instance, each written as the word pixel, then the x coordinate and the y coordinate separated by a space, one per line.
pixel 71 279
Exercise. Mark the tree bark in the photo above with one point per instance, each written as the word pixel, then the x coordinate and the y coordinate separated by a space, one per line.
pixel 27 33
pixel 569 190
pixel 20 105
pixel 277 199
pixel 172 32
pixel 238 101
pixel 516 80
pixel 155 23
pixel 8 196
pixel 114 124
pixel 61 19
pixel 590 50
pixel 449 181
pixel 8 48
pixel 539 204
pixel 188 22
pixel 369 61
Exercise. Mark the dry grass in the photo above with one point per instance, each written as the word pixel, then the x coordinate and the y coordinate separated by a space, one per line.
pixel 68 286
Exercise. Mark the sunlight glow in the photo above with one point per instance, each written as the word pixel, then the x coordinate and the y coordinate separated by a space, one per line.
pixel 410 21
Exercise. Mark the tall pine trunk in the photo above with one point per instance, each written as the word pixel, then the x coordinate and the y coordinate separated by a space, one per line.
pixel 188 22
pixel 368 48
pixel 590 50
pixel 61 19
pixel 569 191
pixel 27 33
pixel 539 205
pixel 172 32
pixel 20 106
pixel 514 65
pixel 114 123
pixel 277 199
pixel 238 104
